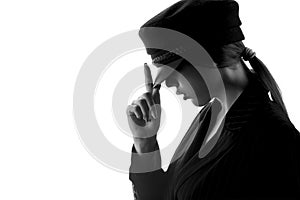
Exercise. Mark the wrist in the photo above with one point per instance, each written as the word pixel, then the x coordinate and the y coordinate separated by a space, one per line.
pixel 146 145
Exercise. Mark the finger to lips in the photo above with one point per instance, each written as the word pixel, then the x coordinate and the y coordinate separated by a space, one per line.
pixel 149 86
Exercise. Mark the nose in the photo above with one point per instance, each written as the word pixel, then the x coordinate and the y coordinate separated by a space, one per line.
pixel 171 82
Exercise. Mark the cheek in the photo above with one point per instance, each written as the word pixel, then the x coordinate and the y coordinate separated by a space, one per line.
pixel 195 88
pixel 186 86
pixel 189 86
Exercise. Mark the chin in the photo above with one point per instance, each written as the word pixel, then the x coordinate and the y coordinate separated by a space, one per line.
pixel 196 103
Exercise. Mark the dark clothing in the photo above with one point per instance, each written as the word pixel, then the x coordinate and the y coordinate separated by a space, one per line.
pixel 257 156
pixel 209 23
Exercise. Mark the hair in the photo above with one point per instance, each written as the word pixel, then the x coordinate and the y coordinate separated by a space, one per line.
pixel 231 53
pixel 225 56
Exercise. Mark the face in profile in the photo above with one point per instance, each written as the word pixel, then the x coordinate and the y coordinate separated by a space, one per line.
pixel 189 83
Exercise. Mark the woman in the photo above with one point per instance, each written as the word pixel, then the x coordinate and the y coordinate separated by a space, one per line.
pixel 251 150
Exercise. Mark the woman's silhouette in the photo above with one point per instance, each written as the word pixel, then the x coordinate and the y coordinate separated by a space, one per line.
pixel 252 151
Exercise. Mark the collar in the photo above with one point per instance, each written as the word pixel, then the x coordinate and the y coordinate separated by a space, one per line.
pixel 242 111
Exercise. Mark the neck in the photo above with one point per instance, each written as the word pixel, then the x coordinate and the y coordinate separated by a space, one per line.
pixel 235 80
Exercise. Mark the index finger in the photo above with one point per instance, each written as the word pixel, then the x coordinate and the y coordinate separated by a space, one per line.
pixel 148 78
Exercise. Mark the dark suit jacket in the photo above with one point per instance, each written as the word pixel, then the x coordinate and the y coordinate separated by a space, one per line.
pixel 257 156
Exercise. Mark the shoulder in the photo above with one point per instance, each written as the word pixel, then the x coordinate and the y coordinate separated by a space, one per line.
pixel 273 135
pixel 273 118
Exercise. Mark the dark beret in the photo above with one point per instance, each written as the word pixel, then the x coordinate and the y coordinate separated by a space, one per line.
pixel 209 22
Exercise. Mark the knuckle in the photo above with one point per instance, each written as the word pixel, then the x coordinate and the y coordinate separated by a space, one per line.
pixel 141 107
pixel 139 102
pixel 129 110
pixel 147 95
pixel 135 107
pixel 134 102
pixel 148 99
pixel 138 108
pixel 144 103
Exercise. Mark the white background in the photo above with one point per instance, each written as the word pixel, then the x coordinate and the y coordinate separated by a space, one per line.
pixel 42 47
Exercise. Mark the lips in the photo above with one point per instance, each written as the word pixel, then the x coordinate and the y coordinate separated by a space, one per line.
pixel 184 95
pixel 185 98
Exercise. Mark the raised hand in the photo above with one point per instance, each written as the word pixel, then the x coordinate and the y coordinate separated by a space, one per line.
pixel 144 114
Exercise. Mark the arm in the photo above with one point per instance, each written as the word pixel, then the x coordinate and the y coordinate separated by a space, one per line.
pixel 151 183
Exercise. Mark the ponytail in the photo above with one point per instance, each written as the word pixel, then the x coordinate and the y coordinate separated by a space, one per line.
pixel 265 77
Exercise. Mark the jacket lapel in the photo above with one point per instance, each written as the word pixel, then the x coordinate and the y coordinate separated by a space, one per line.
pixel 241 112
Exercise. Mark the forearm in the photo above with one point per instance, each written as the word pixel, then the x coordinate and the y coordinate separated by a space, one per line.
pixel 146 174
pixel 146 159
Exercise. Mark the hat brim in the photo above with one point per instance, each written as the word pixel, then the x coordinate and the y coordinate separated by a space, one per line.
pixel 165 70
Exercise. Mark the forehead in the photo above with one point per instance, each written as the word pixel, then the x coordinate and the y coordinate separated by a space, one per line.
pixel 172 64
pixel 165 70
